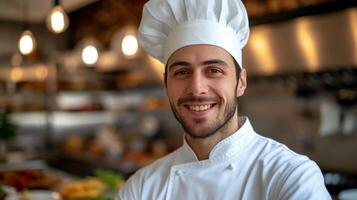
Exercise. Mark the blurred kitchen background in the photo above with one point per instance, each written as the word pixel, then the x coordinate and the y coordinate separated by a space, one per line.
pixel 78 94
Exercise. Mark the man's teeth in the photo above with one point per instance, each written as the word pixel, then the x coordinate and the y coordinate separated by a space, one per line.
pixel 200 108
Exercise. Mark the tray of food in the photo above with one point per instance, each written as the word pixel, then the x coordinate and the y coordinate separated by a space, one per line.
pixel 35 181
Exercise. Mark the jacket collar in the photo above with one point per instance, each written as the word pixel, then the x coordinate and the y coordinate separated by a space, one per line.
pixel 226 147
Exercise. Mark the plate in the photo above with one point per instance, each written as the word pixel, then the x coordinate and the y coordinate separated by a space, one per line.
pixel 350 194
pixel 35 195
pixel 8 190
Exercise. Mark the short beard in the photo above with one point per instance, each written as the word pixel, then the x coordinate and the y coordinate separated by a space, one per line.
pixel 230 110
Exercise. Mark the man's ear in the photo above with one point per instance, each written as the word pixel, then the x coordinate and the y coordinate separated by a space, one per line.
pixel 242 84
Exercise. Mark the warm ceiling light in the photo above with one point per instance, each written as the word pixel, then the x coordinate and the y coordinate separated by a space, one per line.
pixel 90 55
pixel 129 45
pixel 261 48
pixel 57 20
pixel 125 44
pixel 27 42
pixel 307 43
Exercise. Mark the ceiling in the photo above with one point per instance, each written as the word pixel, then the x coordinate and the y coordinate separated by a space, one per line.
pixel 14 10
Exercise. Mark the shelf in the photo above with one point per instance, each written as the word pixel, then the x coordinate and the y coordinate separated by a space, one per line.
pixel 66 122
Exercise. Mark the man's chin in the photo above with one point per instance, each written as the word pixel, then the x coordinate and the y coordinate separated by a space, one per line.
pixel 199 133
pixel 195 127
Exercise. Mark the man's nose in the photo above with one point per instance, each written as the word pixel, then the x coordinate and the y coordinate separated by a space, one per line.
pixel 197 85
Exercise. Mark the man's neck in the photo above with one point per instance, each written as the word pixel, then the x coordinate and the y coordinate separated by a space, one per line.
pixel 202 147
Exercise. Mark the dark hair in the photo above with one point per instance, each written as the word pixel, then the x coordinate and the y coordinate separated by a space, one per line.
pixel 238 70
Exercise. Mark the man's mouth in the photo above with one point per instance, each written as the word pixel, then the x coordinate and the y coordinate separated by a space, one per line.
pixel 198 105
pixel 200 108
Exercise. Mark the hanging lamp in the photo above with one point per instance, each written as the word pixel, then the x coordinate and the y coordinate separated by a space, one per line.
pixel 27 41
pixel 57 20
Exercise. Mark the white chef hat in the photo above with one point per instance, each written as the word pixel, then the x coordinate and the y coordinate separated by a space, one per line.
pixel 168 25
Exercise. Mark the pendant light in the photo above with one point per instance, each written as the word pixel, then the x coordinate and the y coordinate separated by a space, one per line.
pixel 89 50
pixel 57 20
pixel 90 55
pixel 27 42
pixel 125 43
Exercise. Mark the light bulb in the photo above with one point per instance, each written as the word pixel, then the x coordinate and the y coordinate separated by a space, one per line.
pixel 89 55
pixel 129 45
pixel 27 42
pixel 57 20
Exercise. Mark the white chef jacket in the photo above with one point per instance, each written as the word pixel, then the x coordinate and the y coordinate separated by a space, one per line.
pixel 244 165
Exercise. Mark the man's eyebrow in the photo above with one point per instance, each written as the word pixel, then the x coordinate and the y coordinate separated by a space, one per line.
pixel 206 62
pixel 214 61
pixel 178 63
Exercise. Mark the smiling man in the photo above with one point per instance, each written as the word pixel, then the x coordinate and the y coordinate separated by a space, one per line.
pixel 202 86
pixel 222 157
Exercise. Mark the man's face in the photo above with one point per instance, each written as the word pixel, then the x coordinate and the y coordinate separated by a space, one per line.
pixel 202 89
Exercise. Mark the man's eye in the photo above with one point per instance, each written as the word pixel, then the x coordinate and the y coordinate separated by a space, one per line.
pixel 181 73
pixel 214 71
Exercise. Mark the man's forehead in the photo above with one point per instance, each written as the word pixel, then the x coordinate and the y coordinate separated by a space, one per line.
pixel 201 54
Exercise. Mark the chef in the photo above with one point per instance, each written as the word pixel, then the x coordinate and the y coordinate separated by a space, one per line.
pixel 222 157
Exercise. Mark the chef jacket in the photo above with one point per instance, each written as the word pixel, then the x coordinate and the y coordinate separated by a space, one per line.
pixel 244 165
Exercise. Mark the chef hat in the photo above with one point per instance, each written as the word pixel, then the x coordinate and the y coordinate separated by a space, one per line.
pixel 168 25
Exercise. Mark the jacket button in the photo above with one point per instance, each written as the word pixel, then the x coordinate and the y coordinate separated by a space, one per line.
pixel 179 172
pixel 231 166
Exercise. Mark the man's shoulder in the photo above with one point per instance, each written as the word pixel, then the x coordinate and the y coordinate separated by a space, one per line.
pixel 290 171
pixel 274 152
